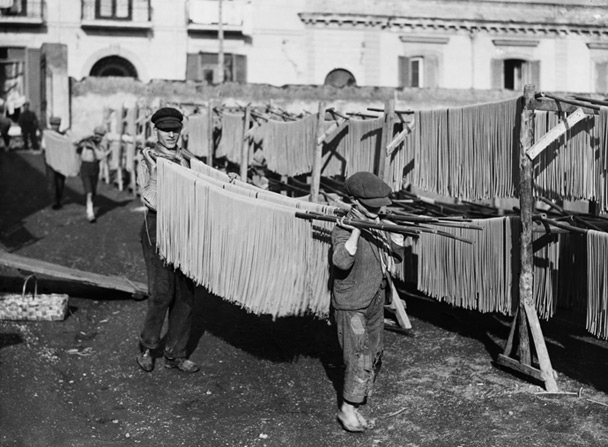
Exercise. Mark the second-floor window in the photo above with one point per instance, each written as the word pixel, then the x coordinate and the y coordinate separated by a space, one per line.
pixel 114 9
pixel 418 71
pixel 13 7
pixel 513 74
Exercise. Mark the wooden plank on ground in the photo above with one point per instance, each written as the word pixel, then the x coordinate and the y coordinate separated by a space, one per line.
pixel 57 271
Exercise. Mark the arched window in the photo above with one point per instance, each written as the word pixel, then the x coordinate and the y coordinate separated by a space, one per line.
pixel 113 66
pixel 340 78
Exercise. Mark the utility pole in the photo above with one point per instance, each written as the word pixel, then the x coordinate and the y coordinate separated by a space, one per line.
pixel 220 32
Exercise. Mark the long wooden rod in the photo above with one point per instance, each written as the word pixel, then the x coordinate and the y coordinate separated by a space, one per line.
pixel 432 221
pixel 567 101
pixel 244 167
pixel 317 158
pixel 591 101
pixel 414 230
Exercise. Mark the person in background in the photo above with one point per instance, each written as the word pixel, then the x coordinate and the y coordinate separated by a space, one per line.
pixel 56 179
pixel 5 126
pixel 171 293
pixel 92 150
pixel 361 262
pixel 28 121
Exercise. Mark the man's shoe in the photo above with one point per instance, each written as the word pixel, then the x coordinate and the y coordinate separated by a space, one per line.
pixel 182 364
pixel 145 360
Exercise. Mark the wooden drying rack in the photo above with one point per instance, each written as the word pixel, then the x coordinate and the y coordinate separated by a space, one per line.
pixel 517 354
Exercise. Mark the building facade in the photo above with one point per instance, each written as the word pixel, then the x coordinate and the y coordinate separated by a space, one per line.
pixel 558 45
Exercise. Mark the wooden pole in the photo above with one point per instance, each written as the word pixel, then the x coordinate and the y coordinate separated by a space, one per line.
pixel 383 172
pixel 245 145
pixel 210 130
pixel 526 278
pixel 387 137
pixel 220 38
pixel 317 159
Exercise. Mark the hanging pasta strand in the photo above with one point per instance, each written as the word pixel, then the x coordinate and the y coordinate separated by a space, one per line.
pixel 287 145
pixel 198 134
pixel 597 304
pixel 466 152
pixel 263 257
pixel 60 154
pixel 230 145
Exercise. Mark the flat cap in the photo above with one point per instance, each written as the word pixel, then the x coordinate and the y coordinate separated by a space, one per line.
pixel 167 118
pixel 54 120
pixel 100 130
pixel 369 189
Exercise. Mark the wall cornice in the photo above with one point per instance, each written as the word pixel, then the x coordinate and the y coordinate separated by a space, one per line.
pixel 392 23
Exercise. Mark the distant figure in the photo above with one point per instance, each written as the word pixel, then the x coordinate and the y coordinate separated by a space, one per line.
pixel 60 158
pixel 92 150
pixel 5 125
pixel 28 121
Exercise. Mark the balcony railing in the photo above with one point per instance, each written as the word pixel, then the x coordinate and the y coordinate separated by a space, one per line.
pixel 22 12
pixel 203 15
pixel 123 14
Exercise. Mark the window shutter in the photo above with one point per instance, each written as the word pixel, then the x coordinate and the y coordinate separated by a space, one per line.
pixel 497 74
pixel 240 68
pixel 17 7
pixel 601 79
pixel 534 73
pixel 193 67
pixel 33 79
pixel 404 68
pixel 431 64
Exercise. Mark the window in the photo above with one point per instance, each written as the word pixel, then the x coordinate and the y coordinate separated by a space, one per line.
pixel 114 9
pixel 114 66
pixel 514 74
pixel 340 78
pixel 418 71
pixel 16 8
pixel 203 67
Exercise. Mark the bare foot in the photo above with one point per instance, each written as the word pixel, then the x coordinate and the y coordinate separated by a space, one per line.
pixel 350 418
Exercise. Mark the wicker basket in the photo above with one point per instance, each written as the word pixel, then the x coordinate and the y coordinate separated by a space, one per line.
pixel 14 306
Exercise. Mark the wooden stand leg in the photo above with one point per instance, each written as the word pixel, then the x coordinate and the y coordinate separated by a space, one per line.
pixel 544 361
pixel 397 306
pixel 525 322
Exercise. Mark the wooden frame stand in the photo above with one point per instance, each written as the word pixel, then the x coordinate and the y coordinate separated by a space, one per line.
pixel 526 316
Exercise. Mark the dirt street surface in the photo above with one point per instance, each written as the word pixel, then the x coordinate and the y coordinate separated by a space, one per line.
pixel 262 383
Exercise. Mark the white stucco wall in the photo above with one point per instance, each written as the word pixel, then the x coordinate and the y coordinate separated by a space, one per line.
pixel 282 49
